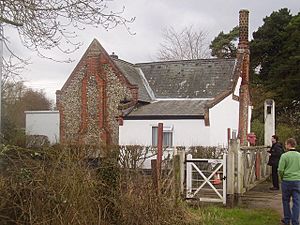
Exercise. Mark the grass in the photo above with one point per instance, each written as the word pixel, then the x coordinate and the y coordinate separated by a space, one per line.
pixel 235 216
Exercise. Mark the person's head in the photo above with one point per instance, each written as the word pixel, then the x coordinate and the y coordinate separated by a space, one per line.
pixel 274 139
pixel 290 143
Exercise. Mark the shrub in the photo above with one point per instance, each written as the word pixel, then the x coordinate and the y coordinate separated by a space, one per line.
pixel 58 185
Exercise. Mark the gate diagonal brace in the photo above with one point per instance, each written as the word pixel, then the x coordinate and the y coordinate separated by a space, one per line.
pixel 206 180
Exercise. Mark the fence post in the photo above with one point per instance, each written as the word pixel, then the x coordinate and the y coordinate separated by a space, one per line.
pixel 230 172
pixel 258 165
pixel 181 154
pixel 224 181
pixel 177 178
pixel 189 176
pixel 154 172
pixel 159 148
pixel 240 172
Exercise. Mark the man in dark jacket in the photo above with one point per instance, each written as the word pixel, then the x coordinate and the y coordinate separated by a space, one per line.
pixel 275 151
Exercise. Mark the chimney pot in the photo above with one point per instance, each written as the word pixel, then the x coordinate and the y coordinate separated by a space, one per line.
pixel 114 56
pixel 243 29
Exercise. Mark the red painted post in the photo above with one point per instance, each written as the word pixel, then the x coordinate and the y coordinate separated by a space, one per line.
pixel 159 147
pixel 228 136
pixel 257 166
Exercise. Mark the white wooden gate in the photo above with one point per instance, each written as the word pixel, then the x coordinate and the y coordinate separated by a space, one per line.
pixel 206 179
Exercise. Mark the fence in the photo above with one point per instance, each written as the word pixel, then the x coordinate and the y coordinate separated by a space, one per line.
pixel 247 166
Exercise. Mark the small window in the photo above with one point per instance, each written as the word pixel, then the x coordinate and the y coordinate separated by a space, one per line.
pixel 269 109
pixel 167 137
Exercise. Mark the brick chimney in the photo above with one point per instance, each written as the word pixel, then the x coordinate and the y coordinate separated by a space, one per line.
pixel 243 29
pixel 114 56
pixel 243 54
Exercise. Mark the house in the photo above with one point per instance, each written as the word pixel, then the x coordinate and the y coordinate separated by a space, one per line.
pixel 107 100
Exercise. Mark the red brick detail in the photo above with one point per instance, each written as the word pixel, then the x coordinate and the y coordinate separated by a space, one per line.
pixel 101 101
pixel 120 121
pixel 105 59
pixel 206 117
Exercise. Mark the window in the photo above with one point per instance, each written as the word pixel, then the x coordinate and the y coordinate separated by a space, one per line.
pixel 167 136
pixel 269 109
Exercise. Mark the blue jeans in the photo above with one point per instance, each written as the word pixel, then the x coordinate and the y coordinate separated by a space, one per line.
pixel 291 189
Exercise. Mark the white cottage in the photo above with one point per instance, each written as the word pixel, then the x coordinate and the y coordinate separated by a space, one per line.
pixel 196 100
pixel 108 100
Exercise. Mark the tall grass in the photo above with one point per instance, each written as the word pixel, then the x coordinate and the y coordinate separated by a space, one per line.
pixel 58 186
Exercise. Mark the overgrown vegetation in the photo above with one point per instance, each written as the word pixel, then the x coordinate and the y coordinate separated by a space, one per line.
pixel 59 186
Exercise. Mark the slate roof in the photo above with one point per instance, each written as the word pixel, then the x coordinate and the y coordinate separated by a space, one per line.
pixel 180 88
pixel 171 108
pixel 202 78
pixel 134 77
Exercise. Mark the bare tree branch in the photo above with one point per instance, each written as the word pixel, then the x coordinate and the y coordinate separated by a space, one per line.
pixel 48 24
pixel 185 44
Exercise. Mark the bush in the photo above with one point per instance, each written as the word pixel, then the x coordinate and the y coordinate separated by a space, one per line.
pixel 57 185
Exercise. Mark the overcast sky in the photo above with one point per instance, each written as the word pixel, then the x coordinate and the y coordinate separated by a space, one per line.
pixel 152 16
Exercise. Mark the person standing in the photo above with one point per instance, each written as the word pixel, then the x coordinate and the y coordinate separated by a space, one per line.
pixel 289 172
pixel 275 153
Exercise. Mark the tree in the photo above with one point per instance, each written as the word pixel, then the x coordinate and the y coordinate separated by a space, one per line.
pixel 185 44
pixel 268 41
pixel 48 24
pixel 224 45
pixel 17 98
pixel 275 62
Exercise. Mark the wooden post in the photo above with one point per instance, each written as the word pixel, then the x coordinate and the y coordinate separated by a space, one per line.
pixel 189 176
pixel 181 154
pixel 257 165
pixel 230 172
pixel 240 173
pixel 177 178
pixel 228 135
pixel 154 171
pixel 159 148
pixel 224 181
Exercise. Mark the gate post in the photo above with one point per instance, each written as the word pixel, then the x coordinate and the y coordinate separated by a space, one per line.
pixel 181 154
pixel 240 173
pixel 224 178
pixel 231 172
pixel 189 176
pixel 177 178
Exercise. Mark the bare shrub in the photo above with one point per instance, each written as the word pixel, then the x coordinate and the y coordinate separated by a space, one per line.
pixel 206 152
pixel 57 185
pixel 140 205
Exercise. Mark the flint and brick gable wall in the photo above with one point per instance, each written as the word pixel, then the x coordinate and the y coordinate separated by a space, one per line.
pixel 89 100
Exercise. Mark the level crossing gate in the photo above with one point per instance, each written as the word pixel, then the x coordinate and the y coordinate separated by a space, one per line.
pixel 206 179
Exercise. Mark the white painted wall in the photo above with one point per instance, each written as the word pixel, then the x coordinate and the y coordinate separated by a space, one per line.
pixel 43 123
pixel 222 116
pixel 187 132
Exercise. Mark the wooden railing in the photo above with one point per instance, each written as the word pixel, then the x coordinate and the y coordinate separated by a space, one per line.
pixel 247 166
